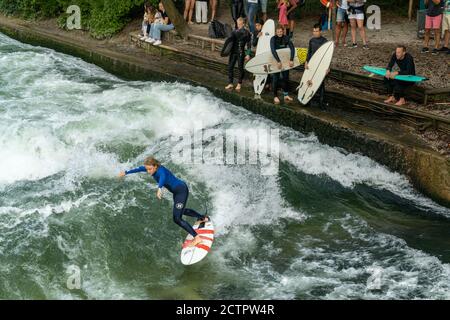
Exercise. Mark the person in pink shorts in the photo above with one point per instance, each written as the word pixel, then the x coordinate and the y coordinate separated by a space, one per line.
pixel 433 21
pixel 283 6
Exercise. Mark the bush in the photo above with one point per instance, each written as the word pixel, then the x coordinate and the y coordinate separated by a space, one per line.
pixel 103 18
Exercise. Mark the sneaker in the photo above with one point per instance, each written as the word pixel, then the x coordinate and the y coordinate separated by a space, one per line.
pixel 150 40
pixel 443 49
pixel 425 50
pixel 142 38
pixel 354 45
pixel 366 47
pixel 435 51
pixel 157 43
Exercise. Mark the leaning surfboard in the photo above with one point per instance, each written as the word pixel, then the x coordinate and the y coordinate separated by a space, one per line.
pixel 382 72
pixel 191 255
pixel 265 63
pixel 267 32
pixel 318 67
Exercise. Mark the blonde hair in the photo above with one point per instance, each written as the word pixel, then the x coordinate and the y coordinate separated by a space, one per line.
pixel 151 161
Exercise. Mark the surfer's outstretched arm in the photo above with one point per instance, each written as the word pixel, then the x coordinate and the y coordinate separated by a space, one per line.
pixel 135 170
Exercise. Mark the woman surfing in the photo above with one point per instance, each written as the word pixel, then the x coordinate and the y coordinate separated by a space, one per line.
pixel 180 192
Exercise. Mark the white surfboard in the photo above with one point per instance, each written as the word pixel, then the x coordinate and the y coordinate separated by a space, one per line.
pixel 267 32
pixel 191 255
pixel 265 63
pixel 317 70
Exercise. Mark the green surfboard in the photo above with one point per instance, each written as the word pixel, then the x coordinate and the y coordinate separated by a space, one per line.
pixel 382 72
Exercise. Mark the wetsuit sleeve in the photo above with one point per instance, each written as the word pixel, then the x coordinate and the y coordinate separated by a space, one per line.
pixel 291 46
pixel 391 63
pixel 249 44
pixel 272 48
pixel 410 67
pixel 162 179
pixel 309 55
pixel 138 169
pixel 255 38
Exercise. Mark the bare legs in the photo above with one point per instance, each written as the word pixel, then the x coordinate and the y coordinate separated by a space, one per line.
pixel 341 27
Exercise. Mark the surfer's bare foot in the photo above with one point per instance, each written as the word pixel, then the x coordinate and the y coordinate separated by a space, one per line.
pixel 238 88
pixel 287 99
pixel 390 100
pixel 276 100
pixel 229 87
pixel 195 242
pixel 401 102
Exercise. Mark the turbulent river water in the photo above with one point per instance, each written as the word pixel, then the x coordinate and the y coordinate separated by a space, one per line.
pixel 327 225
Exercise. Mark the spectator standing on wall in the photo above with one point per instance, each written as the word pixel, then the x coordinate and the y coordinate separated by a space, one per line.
pixel 263 7
pixel 446 28
pixel 213 8
pixel 188 10
pixel 342 21
pixel 356 17
pixel 252 10
pixel 433 20
pixel 283 21
pixel 237 10
pixel 201 11
pixel 293 4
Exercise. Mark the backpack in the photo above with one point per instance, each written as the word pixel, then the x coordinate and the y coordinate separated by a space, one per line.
pixel 218 29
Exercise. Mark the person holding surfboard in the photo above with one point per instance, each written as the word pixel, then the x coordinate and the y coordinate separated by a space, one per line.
pixel 281 41
pixel 314 44
pixel 241 38
pixel 396 88
pixel 180 192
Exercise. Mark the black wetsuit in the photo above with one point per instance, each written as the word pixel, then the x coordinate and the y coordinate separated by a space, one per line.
pixel 241 39
pixel 407 67
pixel 314 45
pixel 281 78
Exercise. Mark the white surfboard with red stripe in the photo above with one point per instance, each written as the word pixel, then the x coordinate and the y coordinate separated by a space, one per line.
pixel 191 255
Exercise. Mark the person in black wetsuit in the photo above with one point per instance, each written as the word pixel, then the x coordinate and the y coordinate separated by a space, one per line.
pixel 314 44
pixel 397 88
pixel 241 40
pixel 180 192
pixel 281 41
